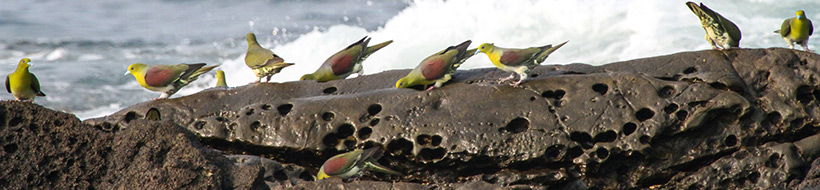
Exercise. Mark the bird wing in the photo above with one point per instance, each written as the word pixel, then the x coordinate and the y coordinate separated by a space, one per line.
pixel 811 27
pixel 163 75
pixel 344 61
pixel 35 85
pixel 786 27
pixel 342 163
pixel 728 26
pixel 8 87
pixel 517 57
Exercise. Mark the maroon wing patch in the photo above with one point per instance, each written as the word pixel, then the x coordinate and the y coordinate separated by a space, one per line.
pixel 342 64
pixel 434 69
pixel 509 58
pixel 334 166
pixel 159 77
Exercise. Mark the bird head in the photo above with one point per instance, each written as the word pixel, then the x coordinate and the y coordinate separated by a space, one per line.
pixel 136 69
pixel 220 74
pixel 485 47
pixel 403 83
pixel 308 77
pixel 251 38
pixel 801 14
pixel 321 174
pixel 24 63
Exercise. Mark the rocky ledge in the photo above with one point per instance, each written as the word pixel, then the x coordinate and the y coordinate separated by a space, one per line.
pixel 736 119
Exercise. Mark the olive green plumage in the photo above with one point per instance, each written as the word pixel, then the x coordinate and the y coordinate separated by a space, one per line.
pixel 263 62
pixel 353 163
pixel 167 79
pixel 220 79
pixel 22 84
pixel 438 68
pixel 797 30
pixel 518 61
pixel 720 32
pixel 345 62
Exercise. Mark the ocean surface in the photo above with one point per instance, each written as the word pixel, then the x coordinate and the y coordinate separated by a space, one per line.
pixel 80 49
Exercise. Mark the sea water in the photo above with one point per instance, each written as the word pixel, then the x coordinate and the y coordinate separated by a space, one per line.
pixel 80 49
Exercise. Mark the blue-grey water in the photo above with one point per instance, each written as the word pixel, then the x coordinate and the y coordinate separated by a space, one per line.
pixel 80 49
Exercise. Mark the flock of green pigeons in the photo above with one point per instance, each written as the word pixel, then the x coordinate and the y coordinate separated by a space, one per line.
pixel 433 71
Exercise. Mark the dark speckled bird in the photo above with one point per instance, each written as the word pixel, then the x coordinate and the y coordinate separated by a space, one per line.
pixel 720 32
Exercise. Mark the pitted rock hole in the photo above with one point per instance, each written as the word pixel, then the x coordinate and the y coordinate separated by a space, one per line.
pixel 666 92
pixel 671 108
pixel 517 125
pixel 329 90
pixel 600 88
pixel 265 106
pixel 424 139
pixel 574 152
pixel 774 117
pixel 284 109
pixel 198 125
pixel 719 85
pixel 773 161
pixel 10 148
pixel 644 139
pixel 436 140
pixel 400 146
pixel 532 98
pixel 607 136
pixel 681 115
pixel 753 176
pixel 279 175
pixel 349 143
pixel 345 130
pixel 328 116
pixel 131 115
pixel 365 132
pixel 644 114
pixel 554 152
pixel 629 128
pixel 15 121
pixel 306 176
pixel 690 70
pixel 374 109
pixel 428 154
pixel 582 138
pixel 255 125
pixel 374 122
pixel 330 140
pixel 249 112
pixel 730 141
pixel 804 94
pixel 557 94
pixel 602 153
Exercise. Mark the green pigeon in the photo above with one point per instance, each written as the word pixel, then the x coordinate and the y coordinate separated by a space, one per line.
pixel 438 68
pixel 720 32
pixel 353 163
pixel 519 61
pixel 22 83
pixel 797 29
pixel 153 114
pixel 167 79
pixel 345 62
pixel 220 79
pixel 263 62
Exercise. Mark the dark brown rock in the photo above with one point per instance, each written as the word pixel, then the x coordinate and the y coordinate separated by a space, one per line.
pixel 735 119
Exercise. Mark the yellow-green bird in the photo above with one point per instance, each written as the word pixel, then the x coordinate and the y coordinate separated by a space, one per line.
pixel 720 32
pixel 518 61
pixel 167 79
pixel 797 29
pixel 22 83
pixel 353 163
pixel 345 62
pixel 263 62
pixel 220 79
pixel 438 68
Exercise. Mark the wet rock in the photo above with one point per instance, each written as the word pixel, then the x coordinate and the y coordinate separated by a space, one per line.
pixel 741 118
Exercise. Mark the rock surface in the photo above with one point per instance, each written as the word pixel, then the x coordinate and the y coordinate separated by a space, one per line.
pixel 738 119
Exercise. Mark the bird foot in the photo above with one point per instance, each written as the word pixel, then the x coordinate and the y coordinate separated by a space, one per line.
pixel 502 80
pixel 431 88
pixel 517 83
pixel 157 99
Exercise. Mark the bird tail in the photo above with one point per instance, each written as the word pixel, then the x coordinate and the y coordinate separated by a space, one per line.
pixel 777 31
pixel 375 48
pixel 373 166
pixel 549 49
pixel 201 71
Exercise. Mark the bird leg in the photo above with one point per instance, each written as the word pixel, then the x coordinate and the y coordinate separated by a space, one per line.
pixel 268 78
pixel 522 76
pixel 805 45
pixel 501 80
pixel 791 44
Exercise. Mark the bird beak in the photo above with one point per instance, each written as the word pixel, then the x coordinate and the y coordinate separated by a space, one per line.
pixel 477 52
pixel 127 72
